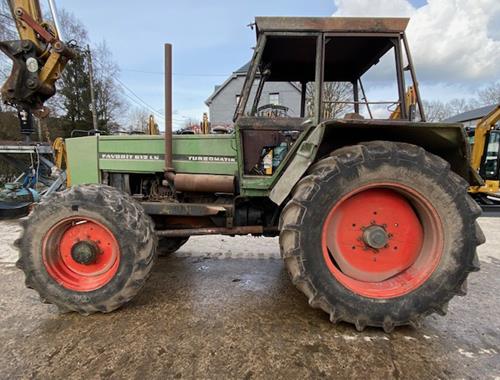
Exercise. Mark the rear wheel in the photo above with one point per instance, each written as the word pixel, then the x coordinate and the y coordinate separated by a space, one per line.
pixel 380 234
pixel 87 249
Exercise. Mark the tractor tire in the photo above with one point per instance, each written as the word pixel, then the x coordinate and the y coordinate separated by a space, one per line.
pixel 167 246
pixel 380 234
pixel 87 249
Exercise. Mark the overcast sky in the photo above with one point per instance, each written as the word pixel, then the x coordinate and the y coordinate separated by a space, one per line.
pixel 455 43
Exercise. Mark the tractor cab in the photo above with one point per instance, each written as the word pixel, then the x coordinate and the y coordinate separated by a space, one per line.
pixel 327 60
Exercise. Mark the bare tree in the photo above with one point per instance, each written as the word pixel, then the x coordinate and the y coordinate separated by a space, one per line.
pixel 73 97
pixel 109 102
pixel 137 119
pixel 436 110
pixel 335 94
pixel 7 32
pixel 74 31
pixel 460 105
pixel 72 28
pixel 490 95
pixel 8 27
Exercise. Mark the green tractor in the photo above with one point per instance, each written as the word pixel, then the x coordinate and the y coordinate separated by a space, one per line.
pixel 374 221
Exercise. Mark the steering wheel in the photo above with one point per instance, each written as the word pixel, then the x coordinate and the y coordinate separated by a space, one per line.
pixel 272 111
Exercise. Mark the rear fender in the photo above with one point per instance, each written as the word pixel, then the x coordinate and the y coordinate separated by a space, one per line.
pixel 447 141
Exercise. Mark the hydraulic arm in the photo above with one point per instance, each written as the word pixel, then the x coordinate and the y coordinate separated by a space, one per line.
pixel 38 59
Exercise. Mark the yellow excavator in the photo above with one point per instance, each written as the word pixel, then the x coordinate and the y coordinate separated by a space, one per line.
pixel 485 159
pixel 485 155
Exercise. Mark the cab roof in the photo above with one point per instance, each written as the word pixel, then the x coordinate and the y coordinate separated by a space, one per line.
pixel 352 45
pixel 332 24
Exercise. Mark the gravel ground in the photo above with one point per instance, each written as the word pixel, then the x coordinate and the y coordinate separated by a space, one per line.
pixel 224 308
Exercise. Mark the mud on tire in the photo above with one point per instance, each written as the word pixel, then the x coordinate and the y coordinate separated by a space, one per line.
pixel 350 168
pixel 117 213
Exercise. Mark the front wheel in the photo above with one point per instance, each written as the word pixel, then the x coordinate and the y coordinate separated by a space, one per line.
pixel 87 249
pixel 380 234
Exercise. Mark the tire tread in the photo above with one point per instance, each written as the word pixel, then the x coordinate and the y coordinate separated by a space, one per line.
pixel 326 168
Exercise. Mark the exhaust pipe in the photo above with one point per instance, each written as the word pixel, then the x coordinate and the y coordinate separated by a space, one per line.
pixel 169 167
pixel 185 182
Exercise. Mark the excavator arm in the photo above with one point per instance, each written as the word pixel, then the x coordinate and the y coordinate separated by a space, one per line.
pixel 411 104
pixel 38 59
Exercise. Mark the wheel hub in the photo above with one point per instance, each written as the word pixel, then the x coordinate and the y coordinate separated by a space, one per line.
pixel 382 241
pixel 81 254
pixel 85 252
pixel 375 237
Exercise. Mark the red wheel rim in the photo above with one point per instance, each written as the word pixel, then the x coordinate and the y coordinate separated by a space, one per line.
pixel 382 240
pixel 80 254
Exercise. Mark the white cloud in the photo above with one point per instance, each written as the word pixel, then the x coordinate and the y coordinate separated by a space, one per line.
pixel 378 8
pixel 452 41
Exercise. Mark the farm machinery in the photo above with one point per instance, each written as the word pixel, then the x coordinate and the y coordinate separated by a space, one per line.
pixel 374 221
pixel 486 160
